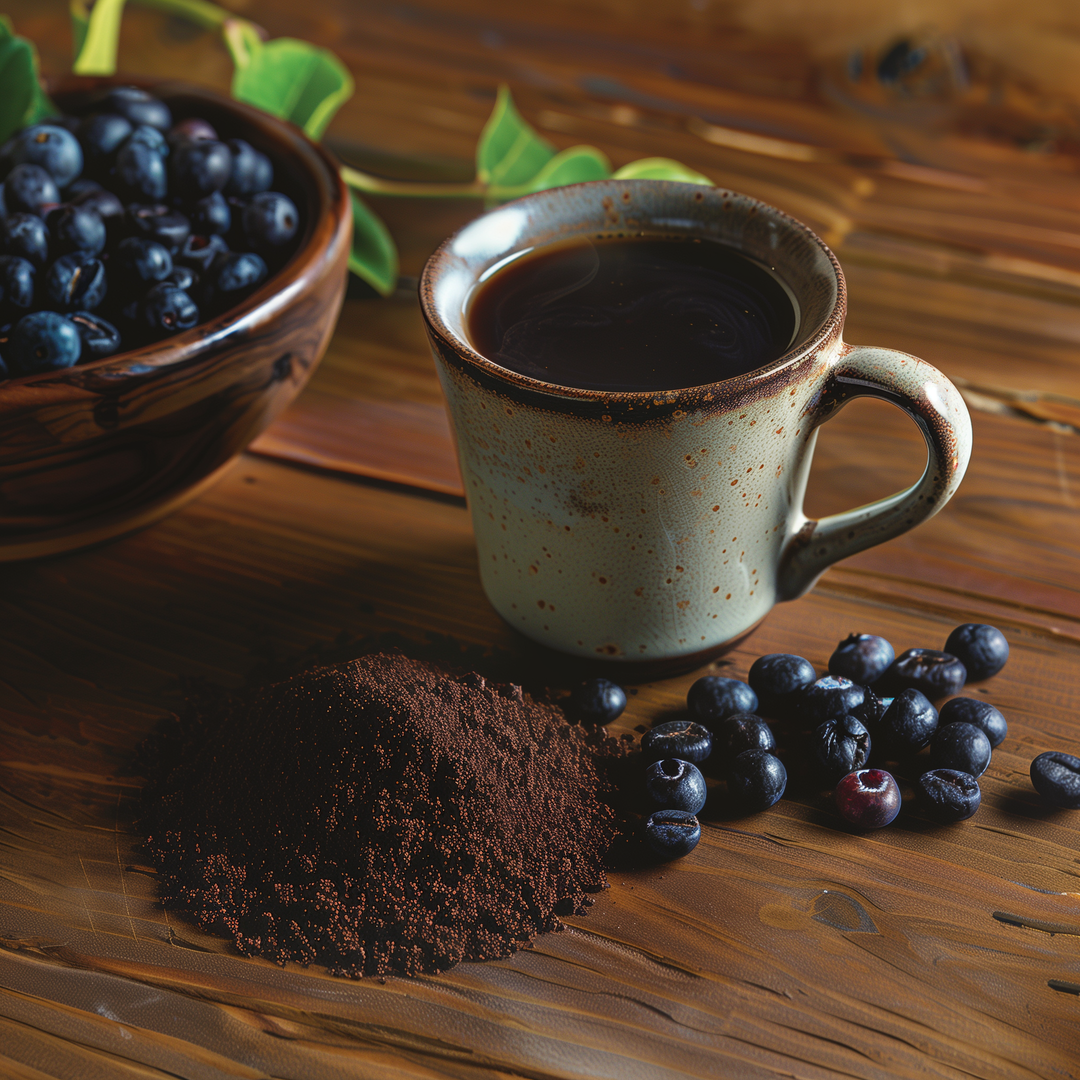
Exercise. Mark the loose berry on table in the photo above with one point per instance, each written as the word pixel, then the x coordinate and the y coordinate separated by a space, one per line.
pixel 682 739
pixel 1056 777
pixel 980 713
pixel 868 798
pixel 778 679
pixel 862 658
pixel 841 745
pixel 947 795
pixel 743 731
pixel 907 725
pixel 672 784
pixel 597 701
pixel 714 698
pixel 830 697
pixel 982 649
pixel 936 674
pixel 672 833
pixel 962 746
pixel 756 780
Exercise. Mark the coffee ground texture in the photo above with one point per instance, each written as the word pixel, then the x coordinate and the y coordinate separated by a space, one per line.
pixel 380 817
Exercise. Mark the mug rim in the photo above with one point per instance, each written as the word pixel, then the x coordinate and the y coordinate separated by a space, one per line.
pixel 460 347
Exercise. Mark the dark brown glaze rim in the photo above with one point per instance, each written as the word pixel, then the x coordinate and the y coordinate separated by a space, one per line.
pixel 635 407
pixel 328 226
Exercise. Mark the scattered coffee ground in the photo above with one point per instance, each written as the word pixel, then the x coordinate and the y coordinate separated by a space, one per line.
pixel 380 817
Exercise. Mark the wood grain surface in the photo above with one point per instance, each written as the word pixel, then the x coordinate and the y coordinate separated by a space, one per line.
pixel 784 945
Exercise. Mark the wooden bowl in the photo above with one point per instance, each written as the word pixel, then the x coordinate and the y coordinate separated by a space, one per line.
pixel 102 448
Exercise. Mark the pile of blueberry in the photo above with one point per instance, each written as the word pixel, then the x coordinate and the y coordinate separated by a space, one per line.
pixel 119 228
pixel 872 708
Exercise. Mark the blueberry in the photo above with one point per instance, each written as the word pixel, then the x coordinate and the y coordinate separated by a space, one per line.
pixel 778 679
pixel 168 310
pixel 99 338
pixel 251 171
pixel 75 282
pixel 270 220
pixel 151 138
pixel 42 341
pixel 157 222
pixel 104 203
pixel 192 130
pixel 210 216
pixel 16 285
pixel 183 277
pixel 947 795
pixel 29 189
pixel 672 784
pixel 829 698
pixel 138 107
pixel 872 709
pixel 233 276
pixel 713 698
pixel 908 725
pixel 960 746
pixel 55 149
pixel 862 658
pixel 680 739
pixel 672 833
pixel 936 674
pixel 743 731
pixel 867 798
pixel 199 168
pixel 140 171
pixel 75 228
pixel 200 251
pixel 4 372
pixel 1056 777
pixel 756 780
pixel 982 649
pixel 79 188
pixel 841 745
pixel 137 259
pixel 597 701
pixel 980 713
pixel 101 135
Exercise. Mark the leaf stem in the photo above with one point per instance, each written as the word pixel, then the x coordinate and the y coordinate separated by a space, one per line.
pixel 208 16
pixel 375 185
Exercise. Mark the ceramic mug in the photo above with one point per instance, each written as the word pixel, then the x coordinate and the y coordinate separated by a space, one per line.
pixel 663 526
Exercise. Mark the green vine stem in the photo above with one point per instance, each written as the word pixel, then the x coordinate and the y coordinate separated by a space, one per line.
pixel 376 185
pixel 208 16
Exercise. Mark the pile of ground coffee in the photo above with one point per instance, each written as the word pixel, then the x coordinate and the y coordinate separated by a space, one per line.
pixel 381 816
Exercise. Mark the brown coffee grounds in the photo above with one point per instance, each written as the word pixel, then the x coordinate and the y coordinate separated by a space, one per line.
pixel 381 816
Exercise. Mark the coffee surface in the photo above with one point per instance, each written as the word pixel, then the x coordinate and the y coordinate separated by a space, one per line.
pixel 632 314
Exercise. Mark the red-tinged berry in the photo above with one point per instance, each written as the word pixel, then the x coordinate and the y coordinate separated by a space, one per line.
pixel 868 798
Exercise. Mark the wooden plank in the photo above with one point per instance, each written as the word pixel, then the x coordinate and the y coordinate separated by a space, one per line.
pixel 783 945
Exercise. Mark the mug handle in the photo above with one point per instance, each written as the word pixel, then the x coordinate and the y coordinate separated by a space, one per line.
pixel 935 404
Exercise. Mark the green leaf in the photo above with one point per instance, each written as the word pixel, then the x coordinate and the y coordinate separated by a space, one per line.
pixel 660 168
pixel 22 101
pixel 289 78
pixel 510 152
pixel 96 31
pixel 575 165
pixel 373 256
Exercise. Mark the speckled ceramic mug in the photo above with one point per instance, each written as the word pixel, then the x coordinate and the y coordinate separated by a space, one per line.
pixel 664 526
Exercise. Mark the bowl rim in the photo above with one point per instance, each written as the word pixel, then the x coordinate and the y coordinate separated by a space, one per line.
pixel 329 223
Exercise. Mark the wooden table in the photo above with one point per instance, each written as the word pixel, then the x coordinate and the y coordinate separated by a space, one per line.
pixel 784 946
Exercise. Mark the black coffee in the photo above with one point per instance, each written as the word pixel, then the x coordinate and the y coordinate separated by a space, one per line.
pixel 632 314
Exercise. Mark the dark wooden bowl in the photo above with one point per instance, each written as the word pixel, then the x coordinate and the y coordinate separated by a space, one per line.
pixel 102 448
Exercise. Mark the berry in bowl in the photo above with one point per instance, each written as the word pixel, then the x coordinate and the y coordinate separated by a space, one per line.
pixel 172 265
